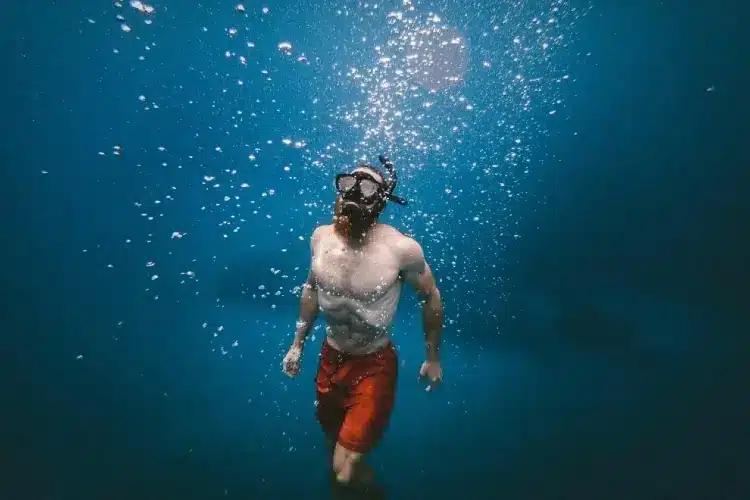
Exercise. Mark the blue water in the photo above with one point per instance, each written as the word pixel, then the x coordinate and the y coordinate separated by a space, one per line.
pixel 586 222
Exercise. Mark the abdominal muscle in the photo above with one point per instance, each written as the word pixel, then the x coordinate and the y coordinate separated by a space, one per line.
pixel 357 328
pixel 344 340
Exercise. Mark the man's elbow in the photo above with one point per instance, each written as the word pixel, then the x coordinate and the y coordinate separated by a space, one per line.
pixel 430 296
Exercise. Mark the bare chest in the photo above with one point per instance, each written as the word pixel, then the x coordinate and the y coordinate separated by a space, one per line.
pixel 365 274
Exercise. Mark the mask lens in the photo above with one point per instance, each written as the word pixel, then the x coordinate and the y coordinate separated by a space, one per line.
pixel 368 188
pixel 346 183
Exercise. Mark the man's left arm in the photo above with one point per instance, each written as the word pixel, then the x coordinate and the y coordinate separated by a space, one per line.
pixel 417 273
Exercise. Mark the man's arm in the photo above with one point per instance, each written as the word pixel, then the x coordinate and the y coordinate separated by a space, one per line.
pixel 417 273
pixel 308 303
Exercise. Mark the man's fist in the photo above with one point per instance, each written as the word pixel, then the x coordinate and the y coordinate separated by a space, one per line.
pixel 432 373
pixel 291 364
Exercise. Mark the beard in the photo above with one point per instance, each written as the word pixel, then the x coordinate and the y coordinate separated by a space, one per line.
pixel 350 218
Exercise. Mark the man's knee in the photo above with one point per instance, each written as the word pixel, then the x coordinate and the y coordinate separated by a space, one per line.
pixel 344 464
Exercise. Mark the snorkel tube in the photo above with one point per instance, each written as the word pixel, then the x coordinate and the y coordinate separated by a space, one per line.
pixel 392 180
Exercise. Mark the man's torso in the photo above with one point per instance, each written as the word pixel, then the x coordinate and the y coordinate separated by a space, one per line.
pixel 358 288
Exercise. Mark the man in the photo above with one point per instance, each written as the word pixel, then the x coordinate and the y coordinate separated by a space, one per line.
pixel 356 270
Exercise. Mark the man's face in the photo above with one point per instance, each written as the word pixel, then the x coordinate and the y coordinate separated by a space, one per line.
pixel 349 215
pixel 352 209
pixel 338 209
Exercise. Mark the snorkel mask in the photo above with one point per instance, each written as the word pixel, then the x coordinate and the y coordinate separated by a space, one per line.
pixel 361 191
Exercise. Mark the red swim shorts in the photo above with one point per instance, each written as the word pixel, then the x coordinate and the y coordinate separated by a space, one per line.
pixel 355 395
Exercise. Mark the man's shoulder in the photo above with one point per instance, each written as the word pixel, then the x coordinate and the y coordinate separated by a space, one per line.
pixel 403 244
pixel 323 228
pixel 388 231
pixel 320 232
pixel 394 234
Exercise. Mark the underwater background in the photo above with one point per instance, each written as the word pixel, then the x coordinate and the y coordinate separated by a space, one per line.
pixel 577 175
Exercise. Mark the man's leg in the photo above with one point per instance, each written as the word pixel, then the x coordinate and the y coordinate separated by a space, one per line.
pixel 350 467
pixel 363 426
pixel 372 384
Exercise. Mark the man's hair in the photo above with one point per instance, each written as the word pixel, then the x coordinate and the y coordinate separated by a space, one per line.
pixel 374 171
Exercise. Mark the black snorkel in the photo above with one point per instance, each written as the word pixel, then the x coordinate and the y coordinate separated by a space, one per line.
pixel 392 180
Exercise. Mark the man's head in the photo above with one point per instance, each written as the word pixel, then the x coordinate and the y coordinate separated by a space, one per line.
pixel 372 171
pixel 362 196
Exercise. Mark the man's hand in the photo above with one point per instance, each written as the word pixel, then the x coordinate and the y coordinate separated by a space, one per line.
pixel 432 372
pixel 291 364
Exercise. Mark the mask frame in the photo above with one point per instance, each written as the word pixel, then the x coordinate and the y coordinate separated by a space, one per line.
pixel 359 177
pixel 385 189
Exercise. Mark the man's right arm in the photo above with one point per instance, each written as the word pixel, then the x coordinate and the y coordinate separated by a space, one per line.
pixel 308 304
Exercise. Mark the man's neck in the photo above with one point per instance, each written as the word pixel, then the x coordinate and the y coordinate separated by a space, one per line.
pixel 356 235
